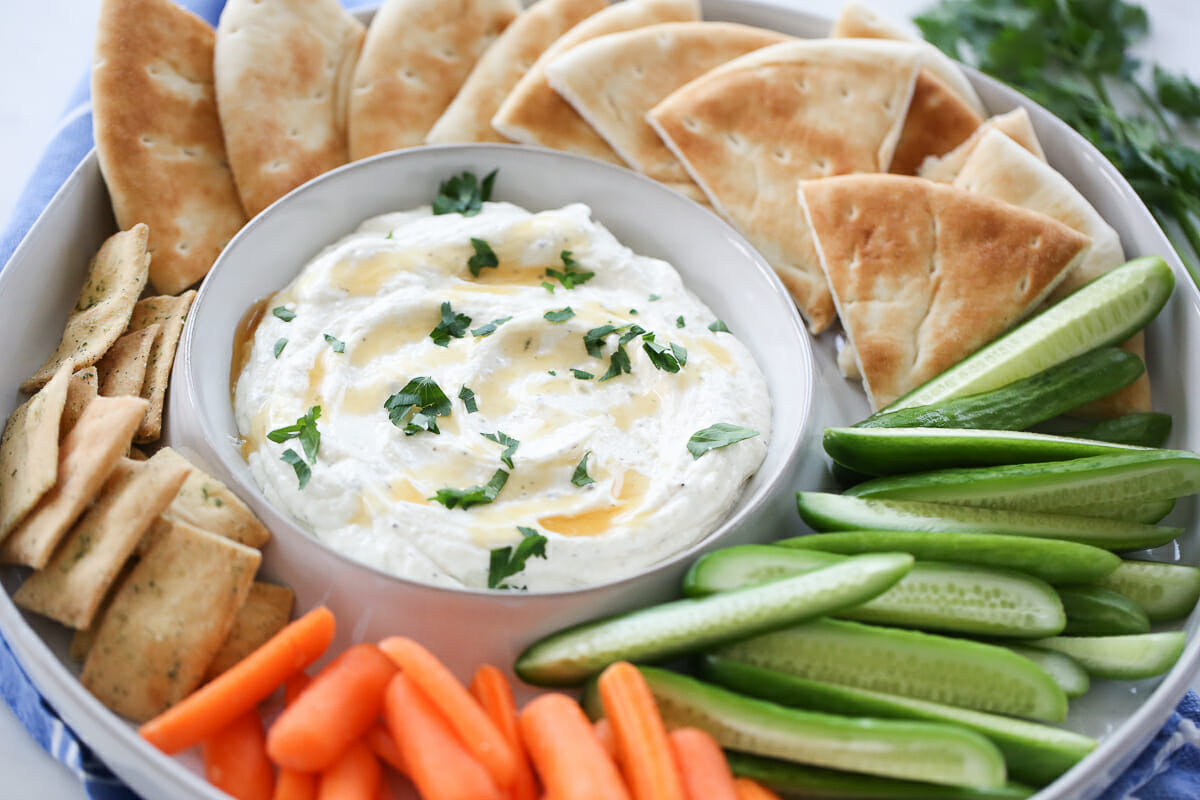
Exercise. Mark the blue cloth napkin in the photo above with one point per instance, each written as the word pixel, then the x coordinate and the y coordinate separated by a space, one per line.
pixel 1168 769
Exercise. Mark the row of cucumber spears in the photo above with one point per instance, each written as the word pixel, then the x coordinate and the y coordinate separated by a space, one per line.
pixel 959 593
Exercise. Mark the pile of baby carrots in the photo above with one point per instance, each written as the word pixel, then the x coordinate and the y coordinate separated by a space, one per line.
pixel 395 705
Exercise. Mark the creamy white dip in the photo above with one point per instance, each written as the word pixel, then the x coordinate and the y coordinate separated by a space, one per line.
pixel 380 291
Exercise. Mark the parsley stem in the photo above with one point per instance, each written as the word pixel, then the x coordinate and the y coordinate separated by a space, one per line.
pixel 1149 103
pixel 1184 209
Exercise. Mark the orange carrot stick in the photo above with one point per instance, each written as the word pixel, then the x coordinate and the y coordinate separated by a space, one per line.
pixel 643 749
pixel 752 790
pixel 494 693
pixel 384 746
pixel 295 785
pixel 235 759
pixel 385 792
pixel 355 775
pixel 294 686
pixel 243 686
pixel 481 736
pixel 604 733
pixel 706 773
pixel 335 710
pixel 566 753
pixel 437 762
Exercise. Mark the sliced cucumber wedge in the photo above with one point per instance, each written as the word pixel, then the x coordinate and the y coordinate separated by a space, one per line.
pixel 571 656
pixel 1164 591
pixel 1096 611
pixel 1067 674
pixel 953 598
pixel 1034 753
pixel 1144 513
pixel 1050 560
pixel 832 512
pixel 955 672
pixel 1106 311
pixel 897 451
pixel 1150 429
pixel 1126 658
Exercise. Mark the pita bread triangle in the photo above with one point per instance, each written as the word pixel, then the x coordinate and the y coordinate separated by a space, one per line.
pixel 938 120
pixel 1014 124
pixel 749 130
pixel 924 274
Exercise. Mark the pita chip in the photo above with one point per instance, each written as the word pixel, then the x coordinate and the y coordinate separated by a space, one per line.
pixel 750 130
pixel 29 451
pixel 122 371
pixel 924 274
pixel 267 609
pixel 205 502
pixel 86 457
pixel 283 70
pixel 82 389
pixel 81 640
pixel 167 621
pixel 70 588
pixel 158 137
pixel 415 58
pixel 168 314
pixel 533 113
pixel 115 279
pixel 1015 124
pixel 468 118
pixel 613 80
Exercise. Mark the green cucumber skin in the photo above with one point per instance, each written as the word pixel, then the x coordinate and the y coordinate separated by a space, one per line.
pixel 1134 292
pixel 1164 591
pixel 1027 401
pixel 571 656
pixel 899 451
pixel 904 749
pixel 1050 560
pixel 1034 753
pixel 832 512
pixel 1096 611
pixel 973 600
pixel 825 784
pixel 924 666
pixel 1066 672
pixel 1150 429
pixel 1105 656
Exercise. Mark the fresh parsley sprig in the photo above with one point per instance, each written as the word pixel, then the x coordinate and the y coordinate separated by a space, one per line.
pixel 417 406
pixel 305 430
pixel 484 256
pixel 464 194
pixel 504 562
pixel 571 275
pixel 452 326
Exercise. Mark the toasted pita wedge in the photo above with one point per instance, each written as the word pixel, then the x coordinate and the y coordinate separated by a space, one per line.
pixel 749 130
pixel 115 278
pixel 283 71
pixel 85 460
pixel 169 314
pixel 533 113
pixel 81 641
pixel 415 58
pixel 925 274
pixel 29 451
pixel 860 21
pixel 83 568
pixel 158 137
pixel 267 609
pixel 122 371
pixel 468 118
pixel 938 121
pixel 207 503
pixel 167 621
pixel 613 80
pixel 82 389
pixel 1015 124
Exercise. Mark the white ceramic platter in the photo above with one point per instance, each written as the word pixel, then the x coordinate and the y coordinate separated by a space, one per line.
pixel 39 285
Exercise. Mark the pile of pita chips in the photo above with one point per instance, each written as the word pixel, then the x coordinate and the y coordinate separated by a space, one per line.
pixel 165 314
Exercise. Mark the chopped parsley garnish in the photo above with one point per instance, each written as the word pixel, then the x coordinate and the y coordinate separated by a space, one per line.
pixel 452 326
pixel 549 287
pixel 562 315
pixel 583 376
pixel 337 344
pixel 665 357
pixel 489 328
pixel 303 472
pixel 633 311
pixel 474 495
pixel 389 235
pixel 305 430
pixel 679 323
pixel 669 359
pixel 279 345
pixel 284 313
pixel 504 562
pixel 510 445
pixel 464 194
pixel 468 398
pixel 581 477
pixel 484 256
pixel 722 434
pixel 618 365
pixel 552 373
pixel 570 275
pixel 654 298
pixel 719 326
pixel 417 406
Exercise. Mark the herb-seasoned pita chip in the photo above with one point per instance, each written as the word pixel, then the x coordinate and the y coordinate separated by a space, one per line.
pixel 415 58
pixel 1015 124
pixel 750 130
pixel 167 621
pixel 82 389
pixel 158 137
pixel 209 504
pixel 533 113
pixel 266 610
pixel 29 451
pixel 937 121
pixel 69 589
pixel 115 279
pixel 613 80
pixel 81 640
pixel 283 71
pixel 86 457
pixel 925 274
pixel 468 118
pixel 122 371
pixel 169 314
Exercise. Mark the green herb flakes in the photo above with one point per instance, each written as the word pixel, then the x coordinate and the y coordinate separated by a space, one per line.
pixel 581 477
pixel 474 495
pixel 337 345
pixel 284 313
pixel 279 345
pixel 667 358
pixel 305 430
pixel 489 328
pixel 303 472
pixel 468 399
pixel 718 326
pixel 510 445
pixel 679 323
pixel 452 326
pixel 417 406
pixel 570 275
pixel 504 562
pixel 561 315
pixel 464 194
pixel 581 375
pixel 722 434
pixel 484 256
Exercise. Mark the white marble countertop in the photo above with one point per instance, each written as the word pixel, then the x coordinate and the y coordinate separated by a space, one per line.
pixel 45 47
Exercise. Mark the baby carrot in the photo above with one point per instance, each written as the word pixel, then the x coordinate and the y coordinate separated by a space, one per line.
pixel 481 736
pixel 355 775
pixel 336 709
pixel 643 749
pixel 295 785
pixel 494 693
pixel 235 759
pixel 384 746
pixel 752 790
pixel 294 686
pixel 243 686
pixel 437 762
pixel 604 733
pixel 566 753
pixel 702 764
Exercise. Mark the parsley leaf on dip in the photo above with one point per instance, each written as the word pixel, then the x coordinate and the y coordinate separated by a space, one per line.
pixel 571 275
pixel 510 445
pixel 561 315
pixel 417 406
pixel 719 326
pixel 303 473
pixel 452 325
pixel 508 561
pixel 722 434
pixel 337 344
pixel 581 477
pixel 305 430
pixel 464 194
pixel 468 398
pixel 668 359
pixel 284 313
pixel 581 374
pixel 474 495
pixel 279 345
pixel 489 328
pixel 619 364
pixel 484 256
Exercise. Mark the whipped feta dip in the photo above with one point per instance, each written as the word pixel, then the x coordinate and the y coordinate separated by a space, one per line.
pixel 601 467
